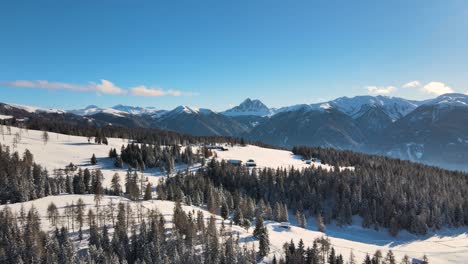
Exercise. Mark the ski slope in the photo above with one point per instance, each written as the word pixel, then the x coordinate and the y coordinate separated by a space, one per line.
pixel 443 246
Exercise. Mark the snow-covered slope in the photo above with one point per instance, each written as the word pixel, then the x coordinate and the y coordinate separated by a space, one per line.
pixel 453 99
pixel 183 109
pixel 92 110
pixel 271 158
pixel 62 149
pixel 34 109
pixel 445 246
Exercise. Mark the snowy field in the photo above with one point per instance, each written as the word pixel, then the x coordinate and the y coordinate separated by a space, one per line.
pixel 273 158
pixel 444 246
pixel 62 149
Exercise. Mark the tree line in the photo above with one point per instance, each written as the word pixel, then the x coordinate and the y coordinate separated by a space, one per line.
pixel 142 156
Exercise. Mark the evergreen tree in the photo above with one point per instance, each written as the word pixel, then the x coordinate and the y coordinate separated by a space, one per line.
pixel 224 211
pixel 115 185
pixel 148 192
pixel 261 233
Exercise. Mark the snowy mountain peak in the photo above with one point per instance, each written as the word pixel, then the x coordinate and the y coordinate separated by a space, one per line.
pixel 451 99
pixel 394 107
pixel 183 109
pixel 249 107
pixel 186 109
pixel 92 110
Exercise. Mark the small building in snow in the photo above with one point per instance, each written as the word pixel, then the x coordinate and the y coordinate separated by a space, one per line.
pixel 251 163
pixel 316 160
pixel 285 225
pixel 235 162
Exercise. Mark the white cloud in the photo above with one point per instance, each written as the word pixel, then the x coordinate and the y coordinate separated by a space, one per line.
pixel 381 90
pixel 156 92
pixel 42 84
pixel 104 87
pixel 412 84
pixel 144 91
pixel 437 88
pixel 107 87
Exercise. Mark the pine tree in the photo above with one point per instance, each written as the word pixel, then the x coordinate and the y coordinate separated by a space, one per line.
pixel 45 137
pixel 261 233
pixel 118 162
pixel 301 219
pixel 148 192
pixel 97 187
pixel 352 258
pixel 212 248
pixel 80 206
pixel 52 214
pixel 115 185
pixel 93 160
pixel 320 224
pixel 406 260
pixel 224 210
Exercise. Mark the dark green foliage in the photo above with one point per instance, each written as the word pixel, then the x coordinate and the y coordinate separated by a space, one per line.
pixel 22 180
pixel 393 194
pixel 93 160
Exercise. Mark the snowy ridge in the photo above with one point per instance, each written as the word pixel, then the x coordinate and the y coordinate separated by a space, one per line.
pixel 33 109
pixel 394 107
pixel 137 110
pixel 92 110
pixel 183 109
pixel 453 99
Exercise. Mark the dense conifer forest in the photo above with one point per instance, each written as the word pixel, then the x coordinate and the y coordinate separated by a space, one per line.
pixel 395 194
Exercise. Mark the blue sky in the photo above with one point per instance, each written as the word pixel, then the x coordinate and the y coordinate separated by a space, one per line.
pixel 214 54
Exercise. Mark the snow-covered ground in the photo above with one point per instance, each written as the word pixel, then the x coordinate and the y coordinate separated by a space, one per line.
pixel 444 246
pixel 447 246
pixel 272 158
pixel 3 117
pixel 62 149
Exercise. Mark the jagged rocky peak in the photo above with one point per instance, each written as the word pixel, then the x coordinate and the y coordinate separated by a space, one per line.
pixel 249 107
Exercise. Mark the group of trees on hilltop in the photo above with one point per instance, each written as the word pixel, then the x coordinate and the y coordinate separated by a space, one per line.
pixel 395 195
pixel 145 156
pixel 21 179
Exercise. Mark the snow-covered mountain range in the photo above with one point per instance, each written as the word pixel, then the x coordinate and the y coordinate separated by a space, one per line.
pixel 375 124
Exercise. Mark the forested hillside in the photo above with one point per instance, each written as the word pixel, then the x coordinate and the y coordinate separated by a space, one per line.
pixel 393 194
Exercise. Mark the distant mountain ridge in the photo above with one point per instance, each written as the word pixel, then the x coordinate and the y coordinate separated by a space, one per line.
pixel 433 131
